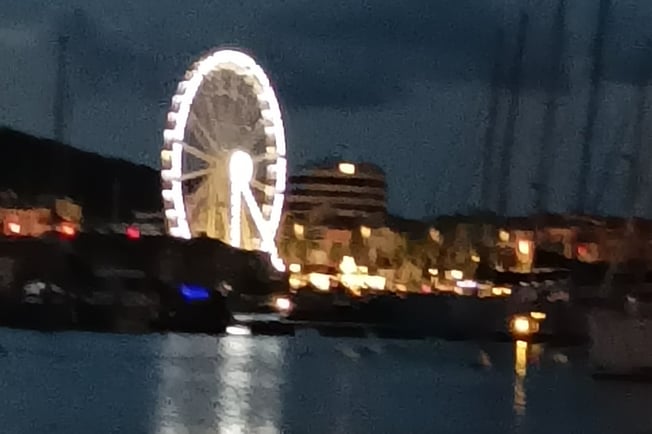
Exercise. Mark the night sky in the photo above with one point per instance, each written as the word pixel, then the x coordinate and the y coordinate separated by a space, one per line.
pixel 401 84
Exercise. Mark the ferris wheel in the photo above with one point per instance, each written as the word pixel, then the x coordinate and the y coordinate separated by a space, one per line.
pixel 223 159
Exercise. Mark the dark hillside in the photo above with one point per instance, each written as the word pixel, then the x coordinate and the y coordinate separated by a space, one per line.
pixel 31 166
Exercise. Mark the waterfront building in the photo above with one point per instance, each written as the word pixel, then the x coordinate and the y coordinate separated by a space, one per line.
pixel 340 190
pixel 37 216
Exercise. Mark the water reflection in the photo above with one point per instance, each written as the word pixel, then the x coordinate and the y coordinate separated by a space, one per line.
pixel 520 371
pixel 182 384
pixel 228 385
pixel 234 374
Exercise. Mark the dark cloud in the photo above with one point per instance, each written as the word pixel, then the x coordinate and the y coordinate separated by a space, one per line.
pixel 328 78
pixel 348 56
pixel 446 42
pixel 99 58
pixel 628 51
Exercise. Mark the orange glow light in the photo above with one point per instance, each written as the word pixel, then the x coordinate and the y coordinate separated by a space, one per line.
pixel 14 228
pixel 67 229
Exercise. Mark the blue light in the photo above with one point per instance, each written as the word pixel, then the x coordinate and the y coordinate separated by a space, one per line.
pixel 194 293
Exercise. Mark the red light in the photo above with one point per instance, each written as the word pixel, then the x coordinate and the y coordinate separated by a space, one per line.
pixel 133 233
pixel 582 250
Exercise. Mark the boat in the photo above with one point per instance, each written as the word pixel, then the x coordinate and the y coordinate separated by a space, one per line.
pixel 112 283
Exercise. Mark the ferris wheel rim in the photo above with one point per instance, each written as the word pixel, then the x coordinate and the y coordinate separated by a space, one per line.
pixel 175 133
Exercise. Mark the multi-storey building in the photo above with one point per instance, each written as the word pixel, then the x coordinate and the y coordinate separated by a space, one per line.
pixel 336 189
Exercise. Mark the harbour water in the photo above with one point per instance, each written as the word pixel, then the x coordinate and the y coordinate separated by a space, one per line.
pixel 81 382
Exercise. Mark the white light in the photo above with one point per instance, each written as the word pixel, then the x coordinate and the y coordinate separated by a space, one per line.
pixel 283 303
pixel 353 281
pixel 320 281
pixel 467 284
pixel 457 274
pixel 236 209
pixel 241 168
pixel 176 232
pixel 277 262
pixel 170 174
pixel 521 325
pixel 295 268
pixel 181 104
pixel 348 265
pixel 347 168
pixel 238 330
pixel 167 195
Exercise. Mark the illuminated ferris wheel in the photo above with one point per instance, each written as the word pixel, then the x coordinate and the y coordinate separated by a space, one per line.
pixel 223 158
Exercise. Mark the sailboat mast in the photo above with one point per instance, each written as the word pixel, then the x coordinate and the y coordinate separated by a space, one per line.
pixel 515 78
pixel 636 176
pixel 490 131
pixel 61 114
pixel 61 96
pixel 595 94
pixel 550 115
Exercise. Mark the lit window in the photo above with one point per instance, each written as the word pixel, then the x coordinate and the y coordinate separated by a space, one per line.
pixel 457 274
pixel 524 247
pixel 299 230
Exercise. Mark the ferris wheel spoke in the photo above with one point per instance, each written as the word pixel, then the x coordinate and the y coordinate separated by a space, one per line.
pixel 254 209
pixel 264 157
pixel 195 152
pixel 199 130
pixel 259 185
pixel 196 174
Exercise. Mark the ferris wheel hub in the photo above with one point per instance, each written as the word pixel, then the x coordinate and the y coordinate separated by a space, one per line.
pixel 241 168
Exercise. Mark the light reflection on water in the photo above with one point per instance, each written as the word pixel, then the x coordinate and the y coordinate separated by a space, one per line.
pixel 520 371
pixel 79 383
pixel 228 385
